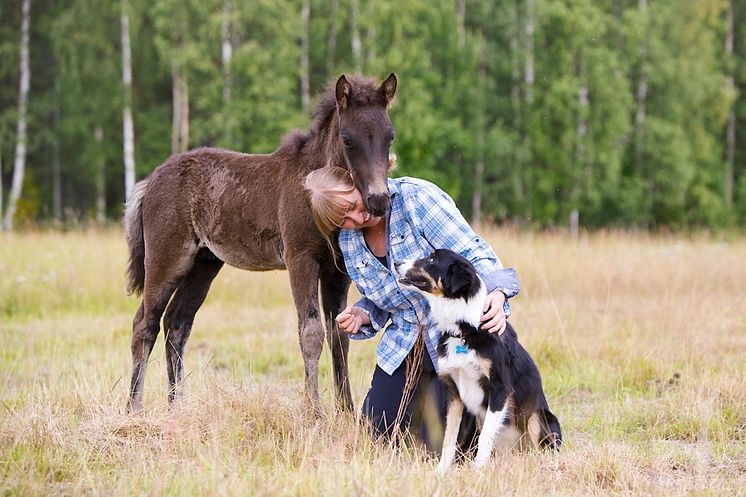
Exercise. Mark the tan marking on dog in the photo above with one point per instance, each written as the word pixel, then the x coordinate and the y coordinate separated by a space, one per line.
pixel 435 288
pixel 484 365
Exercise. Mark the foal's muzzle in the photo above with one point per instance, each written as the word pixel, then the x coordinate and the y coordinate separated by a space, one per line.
pixel 378 203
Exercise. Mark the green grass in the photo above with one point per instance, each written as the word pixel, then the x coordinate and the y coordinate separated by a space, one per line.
pixel 640 340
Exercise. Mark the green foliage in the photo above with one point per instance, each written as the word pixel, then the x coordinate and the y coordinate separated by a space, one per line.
pixel 573 139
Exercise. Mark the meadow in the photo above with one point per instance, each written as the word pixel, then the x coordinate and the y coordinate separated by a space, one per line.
pixel 640 340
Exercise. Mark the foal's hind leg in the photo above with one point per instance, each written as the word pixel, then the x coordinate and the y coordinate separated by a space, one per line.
pixel 334 286
pixel 145 329
pixel 163 272
pixel 177 323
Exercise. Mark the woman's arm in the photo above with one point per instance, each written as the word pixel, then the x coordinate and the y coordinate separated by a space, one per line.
pixel 443 226
pixel 362 320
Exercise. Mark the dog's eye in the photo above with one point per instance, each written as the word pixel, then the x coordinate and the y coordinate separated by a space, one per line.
pixel 431 260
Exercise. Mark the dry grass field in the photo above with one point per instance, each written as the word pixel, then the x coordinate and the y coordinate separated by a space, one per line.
pixel 640 339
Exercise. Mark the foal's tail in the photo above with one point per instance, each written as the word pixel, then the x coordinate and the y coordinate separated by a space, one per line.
pixel 135 240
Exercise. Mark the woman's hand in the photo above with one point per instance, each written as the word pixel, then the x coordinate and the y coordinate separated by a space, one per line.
pixel 493 316
pixel 351 319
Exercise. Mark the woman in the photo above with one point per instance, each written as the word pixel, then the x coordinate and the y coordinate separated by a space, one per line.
pixel 421 217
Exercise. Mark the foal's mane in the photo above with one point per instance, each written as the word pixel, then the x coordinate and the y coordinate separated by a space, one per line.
pixel 363 91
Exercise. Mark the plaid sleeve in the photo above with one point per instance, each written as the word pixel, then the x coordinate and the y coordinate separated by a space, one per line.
pixel 443 226
pixel 378 319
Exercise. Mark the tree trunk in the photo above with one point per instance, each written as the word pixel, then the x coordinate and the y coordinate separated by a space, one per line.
pixel 730 133
pixel 528 95
pixel 476 201
pixel 515 103
pixel 180 123
pixel 98 134
pixel 461 23
pixel 1 186
pixel 127 122
pixel 56 166
pixel 20 157
pixel 370 37
pixel 529 68
pixel 356 44
pixel 227 55
pixel 331 42
pixel 640 116
pixel 305 85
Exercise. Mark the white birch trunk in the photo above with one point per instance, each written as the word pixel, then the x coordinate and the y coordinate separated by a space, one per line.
pixel 128 127
pixel 305 85
pixel 226 57
pixel 227 52
pixel 20 158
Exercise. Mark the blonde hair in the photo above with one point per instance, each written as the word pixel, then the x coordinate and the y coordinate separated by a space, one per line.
pixel 323 189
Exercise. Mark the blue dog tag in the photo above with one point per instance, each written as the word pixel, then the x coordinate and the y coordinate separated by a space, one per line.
pixel 462 349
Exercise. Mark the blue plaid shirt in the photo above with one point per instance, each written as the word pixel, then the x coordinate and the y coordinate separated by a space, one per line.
pixel 422 217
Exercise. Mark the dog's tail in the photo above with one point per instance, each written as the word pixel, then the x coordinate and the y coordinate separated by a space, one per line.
pixel 135 240
pixel 550 433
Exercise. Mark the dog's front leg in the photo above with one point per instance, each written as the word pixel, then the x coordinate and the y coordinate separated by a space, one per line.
pixel 453 422
pixel 494 422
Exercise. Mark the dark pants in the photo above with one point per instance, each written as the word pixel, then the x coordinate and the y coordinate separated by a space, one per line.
pixel 423 416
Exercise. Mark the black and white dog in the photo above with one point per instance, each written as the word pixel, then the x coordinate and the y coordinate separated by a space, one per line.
pixel 492 376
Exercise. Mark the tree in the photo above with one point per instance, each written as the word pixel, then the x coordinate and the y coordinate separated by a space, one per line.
pixel 127 122
pixel 19 166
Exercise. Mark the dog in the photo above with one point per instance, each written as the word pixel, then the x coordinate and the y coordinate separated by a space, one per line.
pixel 491 375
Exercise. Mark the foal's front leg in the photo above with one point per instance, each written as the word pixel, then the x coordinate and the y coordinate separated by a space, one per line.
pixel 304 281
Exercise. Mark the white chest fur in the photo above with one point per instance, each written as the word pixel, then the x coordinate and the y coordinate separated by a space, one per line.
pixel 464 369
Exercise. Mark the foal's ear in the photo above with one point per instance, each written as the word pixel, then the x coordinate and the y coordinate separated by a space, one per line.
pixel 388 89
pixel 343 92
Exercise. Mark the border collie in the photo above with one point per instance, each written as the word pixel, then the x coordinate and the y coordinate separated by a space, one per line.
pixel 492 376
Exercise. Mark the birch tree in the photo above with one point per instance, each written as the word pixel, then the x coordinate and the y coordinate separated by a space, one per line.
pixel 20 157
pixel 226 56
pixel 127 122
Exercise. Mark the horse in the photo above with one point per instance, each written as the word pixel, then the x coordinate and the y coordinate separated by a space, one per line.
pixel 208 207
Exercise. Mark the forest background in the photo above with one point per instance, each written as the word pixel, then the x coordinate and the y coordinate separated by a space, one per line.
pixel 628 112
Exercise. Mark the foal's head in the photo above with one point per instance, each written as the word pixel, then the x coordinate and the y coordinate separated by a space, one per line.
pixel 366 133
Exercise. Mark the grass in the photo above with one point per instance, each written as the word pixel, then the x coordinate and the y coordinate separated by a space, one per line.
pixel 640 340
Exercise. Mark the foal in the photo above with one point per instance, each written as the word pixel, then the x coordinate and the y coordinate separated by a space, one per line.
pixel 208 207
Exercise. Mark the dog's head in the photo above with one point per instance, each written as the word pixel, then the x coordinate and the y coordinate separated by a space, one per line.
pixel 443 274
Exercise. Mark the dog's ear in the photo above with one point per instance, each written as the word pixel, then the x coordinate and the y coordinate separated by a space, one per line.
pixel 458 281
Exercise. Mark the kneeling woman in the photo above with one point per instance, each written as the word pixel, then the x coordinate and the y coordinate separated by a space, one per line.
pixel 405 390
